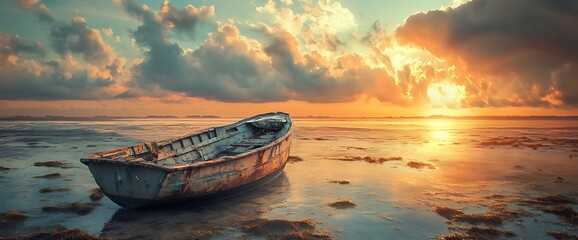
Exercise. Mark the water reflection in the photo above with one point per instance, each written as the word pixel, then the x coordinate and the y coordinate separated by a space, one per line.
pixel 479 165
pixel 187 221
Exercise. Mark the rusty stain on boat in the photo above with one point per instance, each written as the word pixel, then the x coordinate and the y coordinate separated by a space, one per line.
pixel 207 162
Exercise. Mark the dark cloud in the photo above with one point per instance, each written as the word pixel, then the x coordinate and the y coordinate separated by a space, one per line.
pixel 11 46
pixel 565 83
pixel 378 40
pixel 25 78
pixel 185 19
pixel 307 79
pixel 376 37
pixel 332 41
pixel 116 67
pixel 39 10
pixel 222 69
pixel 77 37
pixel 127 94
pixel 524 46
pixel 229 67
pixel 43 14
pixel 53 80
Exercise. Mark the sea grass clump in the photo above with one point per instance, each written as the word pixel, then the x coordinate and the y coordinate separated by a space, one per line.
pixel 447 212
pixel 474 232
pixel 49 190
pixel 52 164
pixel 64 234
pixel 12 217
pixel 420 165
pixel 73 207
pixel 283 229
pixel 340 182
pixel 369 159
pixel 96 195
pixel 342 204
pixel 294 159
pixel 50 176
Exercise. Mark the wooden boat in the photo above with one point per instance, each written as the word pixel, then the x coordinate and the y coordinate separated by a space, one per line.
pixel 204 163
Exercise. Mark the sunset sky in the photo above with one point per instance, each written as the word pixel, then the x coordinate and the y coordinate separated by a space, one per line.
pixel 305 57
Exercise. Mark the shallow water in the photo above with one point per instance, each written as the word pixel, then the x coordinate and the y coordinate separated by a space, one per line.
pixel 471 165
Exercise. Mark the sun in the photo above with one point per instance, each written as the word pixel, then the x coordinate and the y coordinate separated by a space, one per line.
pixel 446 95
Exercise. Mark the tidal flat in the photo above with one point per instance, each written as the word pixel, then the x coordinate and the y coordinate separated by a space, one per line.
pixel 347 178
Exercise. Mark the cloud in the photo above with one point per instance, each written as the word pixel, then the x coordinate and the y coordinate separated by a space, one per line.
pixel 321 24
pixel 127 94
pixel 43 14
pixel 306 77
pixel 77 37
pixel 27 4
pixel 26 75
pixel 334 17
pixel 513 52
pixel 12 46
pixel 224 68
pixel 377 38
pixel 62 78
pixel 41 11
pixel 185 19
pixel 108 31
pixel 230 67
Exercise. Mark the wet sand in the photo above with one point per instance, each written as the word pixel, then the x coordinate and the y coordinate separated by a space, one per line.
pixel 347 179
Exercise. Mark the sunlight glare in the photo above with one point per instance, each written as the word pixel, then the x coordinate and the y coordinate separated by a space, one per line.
pixel 441 134
pixel 444 94
pixel 439 130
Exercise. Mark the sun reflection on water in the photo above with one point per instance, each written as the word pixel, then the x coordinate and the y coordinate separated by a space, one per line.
pixel 441 135
pixel 439 130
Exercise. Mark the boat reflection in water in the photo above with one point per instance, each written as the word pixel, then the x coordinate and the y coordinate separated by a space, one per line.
pixel 199 218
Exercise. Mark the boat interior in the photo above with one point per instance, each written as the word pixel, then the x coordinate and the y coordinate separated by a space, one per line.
pixel 211 143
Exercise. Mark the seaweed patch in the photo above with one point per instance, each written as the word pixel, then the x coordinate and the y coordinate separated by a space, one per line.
pixel 496 217
pixel 52 164
pixel 49 190
pixel 10 218
pixel 420 165
pixel 61 233
pixel 447 212
pixel 74 207
pixel 563 211
pixel 206 234
pixel 283 229
pixel 369 159
pixel 294 159
pixel 561 235
pixel 550 200
pixel 342 204
pixel 50 176
pixel 96 195
pixel 341 182
pixel 473 232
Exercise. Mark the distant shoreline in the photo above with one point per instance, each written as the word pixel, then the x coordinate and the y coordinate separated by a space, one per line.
pixel 114 118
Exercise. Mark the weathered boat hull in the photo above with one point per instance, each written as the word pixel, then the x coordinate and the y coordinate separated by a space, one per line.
pixel 133 186
pixel 139 184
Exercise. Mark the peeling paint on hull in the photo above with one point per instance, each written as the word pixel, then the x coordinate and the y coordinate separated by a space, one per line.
pixel 134 183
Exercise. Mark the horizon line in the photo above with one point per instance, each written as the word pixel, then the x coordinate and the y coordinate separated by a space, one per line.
pixel 56 117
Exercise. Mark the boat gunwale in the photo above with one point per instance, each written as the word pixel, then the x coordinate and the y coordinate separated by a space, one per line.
pixel 209 162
